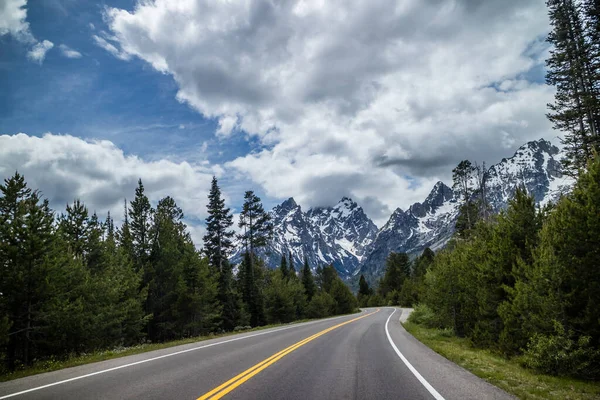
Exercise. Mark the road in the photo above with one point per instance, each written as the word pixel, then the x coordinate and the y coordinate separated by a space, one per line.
pixel 361 356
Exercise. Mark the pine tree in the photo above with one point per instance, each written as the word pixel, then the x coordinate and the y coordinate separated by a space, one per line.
pixel 283 268
pixel 292 269
pixel 308 281
pixel 462 176
pixel 140 213
pixel 75 226
pixel 256 224
pixel 218 239
pixel 26 235
pixel 576 108
pixel 124 235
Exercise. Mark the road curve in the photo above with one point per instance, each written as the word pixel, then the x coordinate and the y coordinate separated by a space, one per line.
pixel 362 356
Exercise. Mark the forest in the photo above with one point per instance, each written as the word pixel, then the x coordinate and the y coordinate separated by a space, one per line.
pixel 525 283
pixel 71 283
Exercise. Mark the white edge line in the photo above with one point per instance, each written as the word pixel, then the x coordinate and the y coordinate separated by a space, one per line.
pixel 163 356
pixel 412 369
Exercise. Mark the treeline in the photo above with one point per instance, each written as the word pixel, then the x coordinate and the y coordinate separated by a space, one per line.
pixel 526 282
pixel 71 283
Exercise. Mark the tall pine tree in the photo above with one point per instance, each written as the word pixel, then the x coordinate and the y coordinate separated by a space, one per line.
pixel 218 239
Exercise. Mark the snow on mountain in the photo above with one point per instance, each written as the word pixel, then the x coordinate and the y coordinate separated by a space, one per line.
pixel 536 165
pixel 335 235
pixel 343 235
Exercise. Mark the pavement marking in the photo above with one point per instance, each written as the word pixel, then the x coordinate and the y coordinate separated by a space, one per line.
pixel 163 356
pixel 239 379
pixel 412 369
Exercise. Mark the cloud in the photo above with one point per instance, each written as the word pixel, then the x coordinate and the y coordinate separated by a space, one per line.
pixel 371 99
pixel 69 52
pixel 64 168
pixel 38 52
pixel 103 43
pixel 13 15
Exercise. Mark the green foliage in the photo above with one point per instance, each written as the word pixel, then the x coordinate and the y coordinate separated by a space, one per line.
pixel 218 239
pixel 322 305
pixel 308 281
pixel 255 222
pixel 423 315
pixel 396 272
pixel 574 70
pixel 561 354
pixel 528 280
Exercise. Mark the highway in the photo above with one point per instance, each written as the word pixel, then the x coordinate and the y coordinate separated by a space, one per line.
pixel 361 356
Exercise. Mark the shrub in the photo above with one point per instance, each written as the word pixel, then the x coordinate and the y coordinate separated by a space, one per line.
pixel 560 354
pixel 423 315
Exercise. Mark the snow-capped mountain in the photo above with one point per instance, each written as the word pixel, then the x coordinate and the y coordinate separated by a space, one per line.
pixel 536 165
pixel 343 235
pixel 337 235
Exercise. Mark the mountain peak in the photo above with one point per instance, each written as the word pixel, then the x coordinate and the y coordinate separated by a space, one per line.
pixel 289 203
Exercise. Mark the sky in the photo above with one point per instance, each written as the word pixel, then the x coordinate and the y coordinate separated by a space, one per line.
pixel 375 100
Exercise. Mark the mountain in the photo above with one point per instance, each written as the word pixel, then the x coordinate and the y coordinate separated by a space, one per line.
pixel 337 235
pixel 343 235
pixel 536 165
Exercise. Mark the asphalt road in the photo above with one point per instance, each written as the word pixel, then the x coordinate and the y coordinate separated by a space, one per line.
pixel 350 357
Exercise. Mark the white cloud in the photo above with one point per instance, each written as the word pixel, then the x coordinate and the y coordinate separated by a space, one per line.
pixel 103 43
pixel 69 52
pixel 64 168
pixel 38 52
pixel 375 99
pixel 13 15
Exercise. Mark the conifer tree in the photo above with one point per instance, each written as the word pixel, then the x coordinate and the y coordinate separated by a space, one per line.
pixel 140 214
pixel 26 235
pixel 576 108
pixel 462 176
pixel 283 268
pixel 256 224
pixel 291 267
pixel 75 226
pixel 218 239
pixel 125 239
pixel 308 281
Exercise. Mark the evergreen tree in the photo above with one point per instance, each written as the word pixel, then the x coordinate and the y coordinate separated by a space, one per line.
pixel 283 268
pixel 26 235
pixel 256 224
pixel 576 108
pixel 463 176
pixel 124 234
pixel 564 284
pixel 291 267
pixel 75 226
pixel 249 280
pixel 396 272
pixel 140 213
pixel 364 291
pixel 308 281
pixel 218 239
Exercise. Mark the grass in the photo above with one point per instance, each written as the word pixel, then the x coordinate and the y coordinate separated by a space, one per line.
pixel 87 358
pixel 508 375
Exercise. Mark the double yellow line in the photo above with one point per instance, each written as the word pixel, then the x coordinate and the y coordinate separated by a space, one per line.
pixel 236 381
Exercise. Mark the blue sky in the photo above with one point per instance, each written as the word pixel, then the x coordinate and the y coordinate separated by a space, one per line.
pixel 285 98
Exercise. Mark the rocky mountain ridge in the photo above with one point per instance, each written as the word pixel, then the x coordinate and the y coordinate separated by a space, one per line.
pixel 343 235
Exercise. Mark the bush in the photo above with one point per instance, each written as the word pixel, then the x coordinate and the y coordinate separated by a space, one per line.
pixel 561 354
pixel 322 305
pixel 423 315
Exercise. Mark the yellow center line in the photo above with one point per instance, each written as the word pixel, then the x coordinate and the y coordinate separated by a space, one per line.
pixel 237 380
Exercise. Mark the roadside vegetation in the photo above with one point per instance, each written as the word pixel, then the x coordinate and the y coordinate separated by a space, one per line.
pixel 73 287
pixel 507 374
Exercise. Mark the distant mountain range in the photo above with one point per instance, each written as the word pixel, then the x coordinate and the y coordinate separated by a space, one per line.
pixel 343 235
